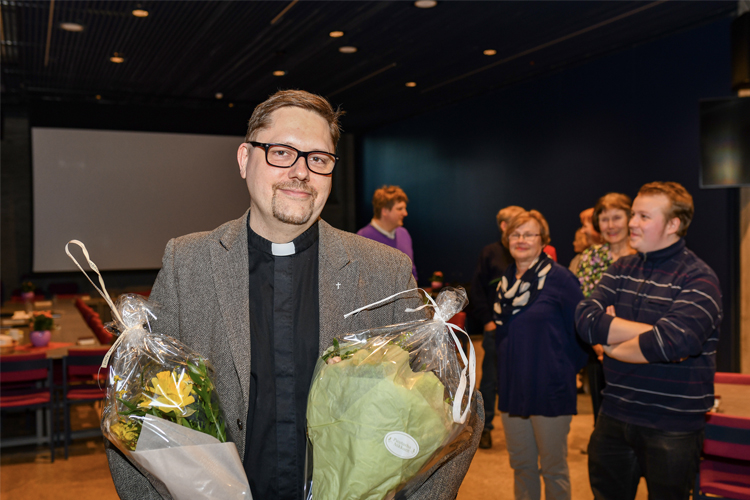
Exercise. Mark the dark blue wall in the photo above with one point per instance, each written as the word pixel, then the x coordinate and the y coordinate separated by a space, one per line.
pixel 556 145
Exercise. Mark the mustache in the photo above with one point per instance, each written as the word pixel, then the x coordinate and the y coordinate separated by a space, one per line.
pixel 296 186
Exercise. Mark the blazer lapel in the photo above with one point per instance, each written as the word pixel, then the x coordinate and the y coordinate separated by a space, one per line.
pixel 229 262
pixel 338 285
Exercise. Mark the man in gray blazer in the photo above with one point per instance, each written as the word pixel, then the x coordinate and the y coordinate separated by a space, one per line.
pixel 263 296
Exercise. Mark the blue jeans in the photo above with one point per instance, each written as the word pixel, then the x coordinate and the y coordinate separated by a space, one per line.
pixel 620 453
pixel 488 384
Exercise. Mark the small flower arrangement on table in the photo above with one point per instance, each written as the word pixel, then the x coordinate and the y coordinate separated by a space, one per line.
pixel 27 291
pixel 42 321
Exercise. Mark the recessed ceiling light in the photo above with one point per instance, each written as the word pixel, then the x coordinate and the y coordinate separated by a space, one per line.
pixel 425 4
pixel 347 49
pixel 531 63
pixel 336 34
pixel 411 84
pixel 117 58
pixel 279 72
pixel 219 95
pixel 489 52
pixel 75 27
pixel 98 97
pixel 140 13
pixel 231 104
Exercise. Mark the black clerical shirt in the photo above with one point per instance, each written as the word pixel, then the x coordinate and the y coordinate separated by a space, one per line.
pixel 284 321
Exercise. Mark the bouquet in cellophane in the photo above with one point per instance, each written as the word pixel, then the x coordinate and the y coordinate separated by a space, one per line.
pixel 162 410
pixel 385 402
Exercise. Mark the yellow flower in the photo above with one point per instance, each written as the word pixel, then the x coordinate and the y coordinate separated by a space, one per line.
pixel 128 433
pixel 170 393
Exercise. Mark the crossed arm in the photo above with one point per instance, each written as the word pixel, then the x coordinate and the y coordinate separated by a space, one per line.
pixel 622 342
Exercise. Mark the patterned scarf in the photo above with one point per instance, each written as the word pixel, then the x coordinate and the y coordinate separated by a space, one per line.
pixel 524 291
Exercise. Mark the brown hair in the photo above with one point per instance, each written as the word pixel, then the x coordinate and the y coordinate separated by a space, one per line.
pixel 580 242
pixel 522 219
pixel 586 215
pixel 261 117
pixel 507 213
pixel 618 201
pixel 386 197
pixel 680 200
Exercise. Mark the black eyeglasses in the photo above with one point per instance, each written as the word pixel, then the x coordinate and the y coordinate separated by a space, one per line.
pixel 283 156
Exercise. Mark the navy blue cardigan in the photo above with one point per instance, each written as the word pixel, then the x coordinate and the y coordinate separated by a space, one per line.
pixel 538 353
pixel 679 294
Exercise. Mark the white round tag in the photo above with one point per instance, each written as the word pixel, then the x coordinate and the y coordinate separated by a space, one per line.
pixel 401 444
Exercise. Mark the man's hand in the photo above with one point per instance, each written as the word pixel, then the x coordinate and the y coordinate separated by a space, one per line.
pixel 611 311
pixel 490 326
pixel 599 351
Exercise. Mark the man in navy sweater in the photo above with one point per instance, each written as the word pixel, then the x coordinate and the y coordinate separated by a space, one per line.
pixel 657 314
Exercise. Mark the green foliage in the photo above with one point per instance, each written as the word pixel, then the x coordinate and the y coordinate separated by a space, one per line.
pixel 42 321
pixel 203 414
pixel 334 351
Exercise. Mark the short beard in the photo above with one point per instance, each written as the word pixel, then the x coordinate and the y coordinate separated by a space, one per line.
pixel 289 218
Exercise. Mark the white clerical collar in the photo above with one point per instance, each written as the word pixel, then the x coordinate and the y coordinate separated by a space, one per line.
pixel 282 249
pixel 390 234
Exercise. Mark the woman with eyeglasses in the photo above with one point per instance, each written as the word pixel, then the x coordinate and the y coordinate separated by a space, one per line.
pixel 538 357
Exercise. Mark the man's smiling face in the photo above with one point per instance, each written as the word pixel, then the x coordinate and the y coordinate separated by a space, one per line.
pixel 293 195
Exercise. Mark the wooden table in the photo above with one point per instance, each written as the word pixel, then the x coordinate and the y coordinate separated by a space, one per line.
pixel 70 327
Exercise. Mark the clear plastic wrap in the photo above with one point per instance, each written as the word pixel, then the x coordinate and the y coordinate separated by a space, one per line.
pixel 162 410
pixel 383 402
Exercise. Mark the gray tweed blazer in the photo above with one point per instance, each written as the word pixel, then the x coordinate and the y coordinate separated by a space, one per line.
pixel 203 288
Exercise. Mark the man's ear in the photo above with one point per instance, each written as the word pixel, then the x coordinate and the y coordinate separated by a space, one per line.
pixel 673 225
pixel 242 157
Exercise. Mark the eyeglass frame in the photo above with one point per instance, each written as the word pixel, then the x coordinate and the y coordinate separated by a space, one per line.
pixel 524 237
pixel 303 154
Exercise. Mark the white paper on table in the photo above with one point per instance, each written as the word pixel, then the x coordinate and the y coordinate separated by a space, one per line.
pixel 191 464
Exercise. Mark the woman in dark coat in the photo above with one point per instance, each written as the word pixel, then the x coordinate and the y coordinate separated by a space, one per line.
pixel 538 357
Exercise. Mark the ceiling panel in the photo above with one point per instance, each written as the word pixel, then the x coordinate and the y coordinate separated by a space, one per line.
pixel 183 53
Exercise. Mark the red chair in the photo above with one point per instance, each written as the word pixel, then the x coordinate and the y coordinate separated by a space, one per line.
pixel 84 309
pixel 459 319
pixel 724 471
pixel 101 333
pixel 732 378
pixel 26 384
pixel 83 382
pixel 93 320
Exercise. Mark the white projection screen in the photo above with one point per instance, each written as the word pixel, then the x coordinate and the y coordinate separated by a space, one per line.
pixel 125 194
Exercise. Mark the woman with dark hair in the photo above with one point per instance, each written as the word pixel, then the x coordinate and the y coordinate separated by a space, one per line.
pixel 610 219
pixel 538 356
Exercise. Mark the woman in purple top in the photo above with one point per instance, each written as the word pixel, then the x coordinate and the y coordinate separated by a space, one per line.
pixel 538 357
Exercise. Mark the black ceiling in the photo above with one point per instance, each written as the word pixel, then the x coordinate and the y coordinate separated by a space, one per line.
pixel 185 52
